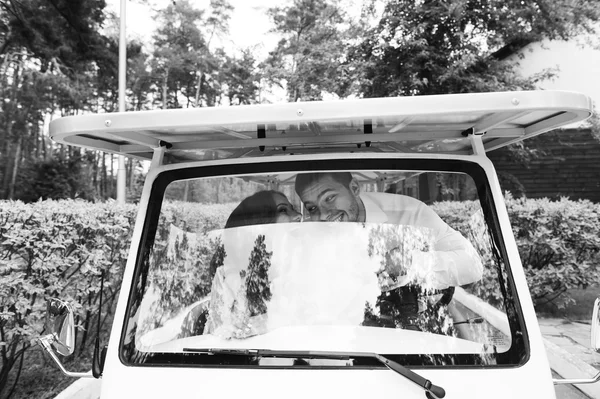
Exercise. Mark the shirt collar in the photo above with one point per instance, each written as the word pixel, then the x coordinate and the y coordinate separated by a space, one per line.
pixel 374 214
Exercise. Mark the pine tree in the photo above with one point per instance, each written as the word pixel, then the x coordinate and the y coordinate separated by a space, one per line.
pixel 258 291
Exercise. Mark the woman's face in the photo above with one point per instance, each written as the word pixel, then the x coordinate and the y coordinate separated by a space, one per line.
pixel 285 211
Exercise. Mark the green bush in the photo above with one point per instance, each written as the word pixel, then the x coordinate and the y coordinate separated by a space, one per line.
pixel 56 249
pixel 60 248
pixel 558 242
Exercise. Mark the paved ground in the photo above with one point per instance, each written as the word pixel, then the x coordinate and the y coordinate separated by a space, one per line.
pixel 568 391
pixel 573 336
pixel 568 347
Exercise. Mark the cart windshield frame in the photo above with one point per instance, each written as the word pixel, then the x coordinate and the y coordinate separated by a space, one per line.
pixel 516 355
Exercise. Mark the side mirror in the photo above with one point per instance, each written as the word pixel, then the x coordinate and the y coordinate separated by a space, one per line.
pixel 595 337
pixel 61 338
pixel 61 324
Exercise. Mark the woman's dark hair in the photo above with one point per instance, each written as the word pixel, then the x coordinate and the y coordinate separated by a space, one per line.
pixel 259 208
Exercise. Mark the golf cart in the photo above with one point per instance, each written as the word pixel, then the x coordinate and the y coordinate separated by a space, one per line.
pixel 242 282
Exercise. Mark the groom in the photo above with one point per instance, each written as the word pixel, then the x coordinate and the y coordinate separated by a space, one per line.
pixel 336 197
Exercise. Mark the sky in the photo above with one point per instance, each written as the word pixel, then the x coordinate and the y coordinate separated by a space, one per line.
pixel 249 25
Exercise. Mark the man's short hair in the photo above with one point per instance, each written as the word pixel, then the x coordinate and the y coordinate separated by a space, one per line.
pixel 305 179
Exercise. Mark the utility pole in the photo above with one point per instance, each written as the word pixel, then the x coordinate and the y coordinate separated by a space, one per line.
pixel 121 178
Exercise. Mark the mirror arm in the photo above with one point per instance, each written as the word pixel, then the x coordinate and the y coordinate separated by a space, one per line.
pixel 46 342
pixel 592 380
pixel 595 344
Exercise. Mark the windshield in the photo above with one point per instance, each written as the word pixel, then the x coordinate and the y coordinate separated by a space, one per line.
pixel 402 262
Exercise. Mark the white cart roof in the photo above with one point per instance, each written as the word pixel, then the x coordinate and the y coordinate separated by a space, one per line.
pixel 420 124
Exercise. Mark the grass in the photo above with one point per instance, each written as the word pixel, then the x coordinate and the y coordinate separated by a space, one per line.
pixel 41 378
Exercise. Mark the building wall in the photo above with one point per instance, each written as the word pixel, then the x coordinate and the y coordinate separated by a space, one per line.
pixel 570 161
pixel 577 63
pixel 568 166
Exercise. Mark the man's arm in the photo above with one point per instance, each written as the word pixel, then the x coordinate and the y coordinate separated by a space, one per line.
pixel 450 259
pixel 453 261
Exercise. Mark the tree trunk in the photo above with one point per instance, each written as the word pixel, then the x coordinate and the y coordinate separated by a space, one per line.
pixel 37 142
pixel 164 104
pixel 198 89
pixel 95 174
pixel 22 355
pixel 186 191
pixel 7 167
pixel 128 167
pixel 44 151
pixel 9 117
pixel 8 361
pixel 103 178
pixel 13 180
pixel 113 188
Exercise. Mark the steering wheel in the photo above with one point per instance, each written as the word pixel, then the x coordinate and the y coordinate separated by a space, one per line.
pixel 400 308
pixel 447 295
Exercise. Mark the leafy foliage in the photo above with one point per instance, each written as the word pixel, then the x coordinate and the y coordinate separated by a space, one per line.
pixel 178 51
pixel 55 179
pixel 433 47
pixel 310 54
pixel 59 32
pixel 185 66
pixel 242 77
pixel 59 248
pixel 558 241
pixel 56 249
pixel 55 60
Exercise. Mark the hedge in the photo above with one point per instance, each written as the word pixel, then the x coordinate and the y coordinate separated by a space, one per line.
pixel 60 248
pixel 558 242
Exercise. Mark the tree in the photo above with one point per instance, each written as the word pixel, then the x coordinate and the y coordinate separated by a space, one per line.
pixel 216 24
pixel 258 291
pixel 242 79
pixel 177 45
pixel 184 64
pixel 50 52
pixel 308 58
pixel 107 72
pixel 435 47
pixel 55 179
pixel 60 33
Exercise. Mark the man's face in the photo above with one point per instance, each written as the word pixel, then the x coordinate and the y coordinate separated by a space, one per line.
pixel 328 200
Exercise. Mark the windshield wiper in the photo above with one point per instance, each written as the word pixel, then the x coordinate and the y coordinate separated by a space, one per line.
pixel 431 390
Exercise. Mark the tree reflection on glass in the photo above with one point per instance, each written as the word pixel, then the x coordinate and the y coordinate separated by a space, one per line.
pixel 244 315
pixel 181 269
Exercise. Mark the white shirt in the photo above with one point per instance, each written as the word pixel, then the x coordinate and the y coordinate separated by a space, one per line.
pixel 452 262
